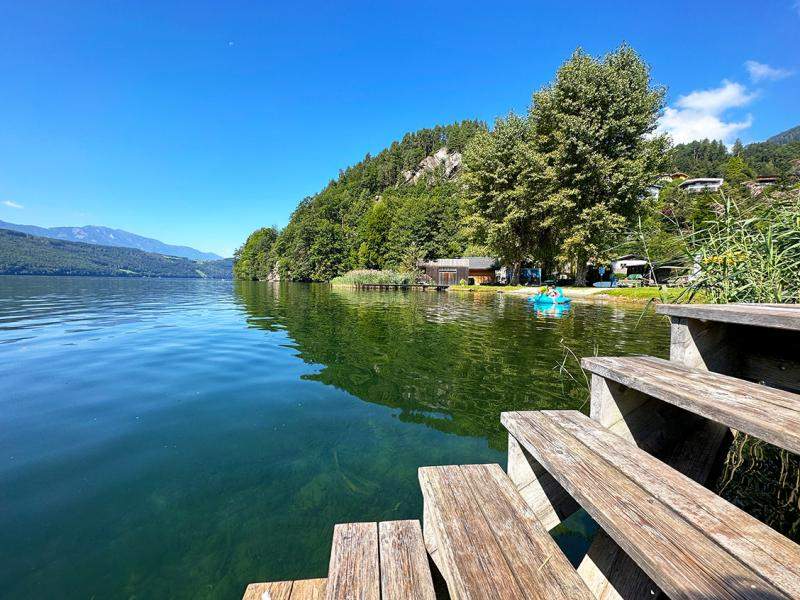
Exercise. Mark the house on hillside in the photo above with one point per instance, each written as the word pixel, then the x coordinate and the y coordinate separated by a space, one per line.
pixel 654 189
pixel 759 184
pixel 702 184
pixel 472 269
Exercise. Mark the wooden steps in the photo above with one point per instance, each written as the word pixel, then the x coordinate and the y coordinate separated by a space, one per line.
pixel 488 542
pixel 767 413
pixel 369 561
pixel 303 589
pixel 692 543
pixel 386 560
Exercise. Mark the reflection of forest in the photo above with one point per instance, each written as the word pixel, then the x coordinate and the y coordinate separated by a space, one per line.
pixel 449 361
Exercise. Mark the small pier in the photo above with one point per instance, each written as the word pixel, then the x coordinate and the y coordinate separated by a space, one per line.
pixel 637 465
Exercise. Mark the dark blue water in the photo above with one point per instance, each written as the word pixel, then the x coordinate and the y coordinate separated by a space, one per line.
pixel 182 438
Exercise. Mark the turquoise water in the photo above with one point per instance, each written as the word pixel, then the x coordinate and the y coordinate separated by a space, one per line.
pixel 180 439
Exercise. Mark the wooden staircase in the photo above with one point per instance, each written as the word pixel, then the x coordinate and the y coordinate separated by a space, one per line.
pixel 636 465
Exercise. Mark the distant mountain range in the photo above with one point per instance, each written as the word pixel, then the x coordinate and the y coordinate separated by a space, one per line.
pixel 105 236
pixel 24 254
pixel 786 137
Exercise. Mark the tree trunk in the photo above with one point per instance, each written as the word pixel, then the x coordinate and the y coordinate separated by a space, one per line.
pixel 515 273
pixel 581 272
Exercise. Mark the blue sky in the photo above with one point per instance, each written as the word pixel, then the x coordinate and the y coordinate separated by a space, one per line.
pixel 196 122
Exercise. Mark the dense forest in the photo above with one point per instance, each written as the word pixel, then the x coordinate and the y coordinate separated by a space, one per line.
pixel 373 215
pixel 23 254
pixel 560 186
pixel 709 158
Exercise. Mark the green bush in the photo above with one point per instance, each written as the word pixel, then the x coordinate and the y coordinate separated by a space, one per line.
pixel 374 277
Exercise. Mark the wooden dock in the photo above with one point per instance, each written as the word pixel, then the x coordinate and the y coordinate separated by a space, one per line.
pixel 637 465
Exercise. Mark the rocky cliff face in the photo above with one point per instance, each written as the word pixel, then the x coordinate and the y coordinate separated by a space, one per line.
pixel 443 161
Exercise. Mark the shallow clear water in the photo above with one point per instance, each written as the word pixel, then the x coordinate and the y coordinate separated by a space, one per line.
pixel 180 439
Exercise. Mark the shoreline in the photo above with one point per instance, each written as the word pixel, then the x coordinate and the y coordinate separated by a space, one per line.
pixel 638 296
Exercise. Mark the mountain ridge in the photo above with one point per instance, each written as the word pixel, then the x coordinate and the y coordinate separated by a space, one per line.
pixel 25 254
pixel 107 236
pixel 786 137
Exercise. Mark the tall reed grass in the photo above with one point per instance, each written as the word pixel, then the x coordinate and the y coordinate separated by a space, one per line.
pixel 753 255
pixel 749 255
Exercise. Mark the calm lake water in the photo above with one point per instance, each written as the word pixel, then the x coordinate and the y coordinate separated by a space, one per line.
pixel 179 439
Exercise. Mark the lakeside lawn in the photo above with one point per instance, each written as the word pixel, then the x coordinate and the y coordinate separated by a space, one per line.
pixel 645 294
pixel 640 295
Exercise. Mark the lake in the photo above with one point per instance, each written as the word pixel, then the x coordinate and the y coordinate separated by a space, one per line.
pixel 167 438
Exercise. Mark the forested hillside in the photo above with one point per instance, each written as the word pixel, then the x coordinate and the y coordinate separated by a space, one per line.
pixel 545 186
pixel 381 211
pixel 784 137
pixel 562 186
pixel 23 254
pixel 708 158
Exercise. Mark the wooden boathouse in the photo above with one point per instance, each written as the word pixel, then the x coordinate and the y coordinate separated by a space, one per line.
pixel 475 270
pixel 637 465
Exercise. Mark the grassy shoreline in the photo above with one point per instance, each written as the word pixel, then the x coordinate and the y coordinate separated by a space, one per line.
pixel 628 295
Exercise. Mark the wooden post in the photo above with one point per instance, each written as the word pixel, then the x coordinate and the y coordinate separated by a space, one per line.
pixel 701 344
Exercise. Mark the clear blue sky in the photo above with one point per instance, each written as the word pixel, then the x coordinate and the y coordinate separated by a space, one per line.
pixel 196 122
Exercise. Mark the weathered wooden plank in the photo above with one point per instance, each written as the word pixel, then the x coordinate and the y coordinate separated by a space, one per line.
pixel 702 344
pixel 549 502
pixel 354 570
pixel 767 413
pixel 491 542
pixel 472 561
pixel 761 315
pixel 405 574
pixel 610 573
pixel 755 544
pixel 633 416
pixel 541 569
pixel 309 589
pixel 660 531
pixel 273 590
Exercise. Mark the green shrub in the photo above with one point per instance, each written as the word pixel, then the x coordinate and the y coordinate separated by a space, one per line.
pixel 374 277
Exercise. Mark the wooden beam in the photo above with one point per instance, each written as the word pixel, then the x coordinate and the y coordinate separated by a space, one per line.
pixel 690 541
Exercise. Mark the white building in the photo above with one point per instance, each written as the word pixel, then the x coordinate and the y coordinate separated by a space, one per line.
pixel 702 184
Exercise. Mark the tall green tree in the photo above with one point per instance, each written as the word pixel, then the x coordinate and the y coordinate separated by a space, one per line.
pixel 700 158
pixel 593 150
pixel 499 212
pixel 737 171
pixel 254 259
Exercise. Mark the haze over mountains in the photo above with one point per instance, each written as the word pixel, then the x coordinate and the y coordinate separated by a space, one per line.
pixel 105 236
